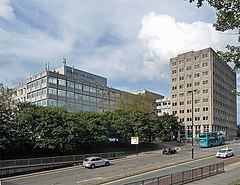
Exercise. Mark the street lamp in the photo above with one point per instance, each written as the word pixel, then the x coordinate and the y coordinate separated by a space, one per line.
pixel 192 119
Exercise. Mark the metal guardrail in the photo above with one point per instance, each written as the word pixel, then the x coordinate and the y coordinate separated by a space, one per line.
pixel 55 160
pixel 184 176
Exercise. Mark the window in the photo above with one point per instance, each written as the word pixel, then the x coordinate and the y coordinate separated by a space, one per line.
pixel 85 88
pixel 196 66
pixel 70 84
pixel 78 86
pixel 205 73
pixel 180 62
pixel 196 58
pixel 189 68
pixel 188 59
pixel 205 100
pixel 197 101
pixel 204 55
pixel 44 80
pixel 99 91
pixel 189 110
pixel 174 79
pixel 182 103
pixel 196 75
pixel 205 91
pixel 205 64
pixel 189 85
pixel 52 91
pixel 197 109
pixel 181 95
pixel 78 96
pixel 61 93
pixel 197 118
pixel 52 103
pixel 174 71
pixel 196 83
pixel 205 117
pixel 205 82
pixel 181 78
pixel 181 111
pixel 189 102
pixel 181 86
pixel 86 98
pixel 62 82
pixel 92 99
pixel 44 91
pixel 70 94
pixel 174 104
pixel 189 76
pixel 174 63
pixel 93 89
pixel 205 109
pixel 52 80
pixel 181 70
pixel 174 88
pixel 174 95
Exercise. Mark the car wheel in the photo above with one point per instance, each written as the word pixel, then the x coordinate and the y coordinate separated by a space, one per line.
pixel 92 166
pixel 107 164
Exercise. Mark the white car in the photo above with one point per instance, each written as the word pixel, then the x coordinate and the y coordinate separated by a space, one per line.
pixel 92 162
pixel 224 152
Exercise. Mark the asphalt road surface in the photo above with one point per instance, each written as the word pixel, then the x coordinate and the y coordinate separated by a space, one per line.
pixel 129 166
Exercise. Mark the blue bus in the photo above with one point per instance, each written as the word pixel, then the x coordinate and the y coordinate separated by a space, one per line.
pixel 208 139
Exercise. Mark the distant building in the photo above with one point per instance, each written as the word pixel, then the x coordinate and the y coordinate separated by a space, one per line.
pixel 163 106
pixel 70 88
pixel 211 81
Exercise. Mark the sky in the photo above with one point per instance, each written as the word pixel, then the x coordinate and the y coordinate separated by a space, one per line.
pixel 130 42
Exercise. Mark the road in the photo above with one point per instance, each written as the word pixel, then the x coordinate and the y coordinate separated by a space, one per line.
pixel 121 168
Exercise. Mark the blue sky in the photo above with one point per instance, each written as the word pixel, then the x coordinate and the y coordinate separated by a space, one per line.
pixel 130 42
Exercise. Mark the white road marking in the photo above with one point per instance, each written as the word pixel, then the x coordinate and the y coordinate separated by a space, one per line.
pixel 98 178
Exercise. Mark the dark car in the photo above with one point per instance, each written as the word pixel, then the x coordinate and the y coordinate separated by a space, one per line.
pixel 169 150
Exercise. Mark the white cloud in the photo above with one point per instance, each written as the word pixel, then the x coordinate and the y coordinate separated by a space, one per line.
pixel 163 38
pixel 6 10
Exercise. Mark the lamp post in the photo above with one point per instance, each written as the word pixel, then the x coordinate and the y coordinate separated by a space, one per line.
pixel 192 121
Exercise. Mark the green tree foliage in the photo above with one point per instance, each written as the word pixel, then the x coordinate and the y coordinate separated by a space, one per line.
pixel 7 114
pixel 95 129
pixel 228 18
pixel 166 123
pixel 136 115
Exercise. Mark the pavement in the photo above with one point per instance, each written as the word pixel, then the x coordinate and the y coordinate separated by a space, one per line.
pixel 232 173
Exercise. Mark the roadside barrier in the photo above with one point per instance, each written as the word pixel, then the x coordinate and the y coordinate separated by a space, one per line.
pixel 17 166
pixel 184 176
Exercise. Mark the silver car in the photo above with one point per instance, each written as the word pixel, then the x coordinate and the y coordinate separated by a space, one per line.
pixel 224 152
pixel 92 162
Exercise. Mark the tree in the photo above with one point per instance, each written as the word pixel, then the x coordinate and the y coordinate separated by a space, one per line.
pixel 228 18
pixel 8 111
pixel 166 124
pixel 136 115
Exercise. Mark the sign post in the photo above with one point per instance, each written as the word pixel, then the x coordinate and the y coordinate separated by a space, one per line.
pixel 135 141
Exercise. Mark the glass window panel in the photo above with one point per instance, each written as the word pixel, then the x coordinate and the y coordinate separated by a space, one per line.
pixel 52 80
pixel 85 88
pixel 52 91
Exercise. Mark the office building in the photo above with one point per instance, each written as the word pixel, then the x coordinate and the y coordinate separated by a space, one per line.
pixel 163 106
pixel 202 83
pixel 71 88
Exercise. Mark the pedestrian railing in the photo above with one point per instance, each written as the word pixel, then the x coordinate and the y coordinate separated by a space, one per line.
pixel 56 160
pixel 184 176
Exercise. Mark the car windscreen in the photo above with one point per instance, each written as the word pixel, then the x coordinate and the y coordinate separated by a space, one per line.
pixel 86 160
pixel 222 151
